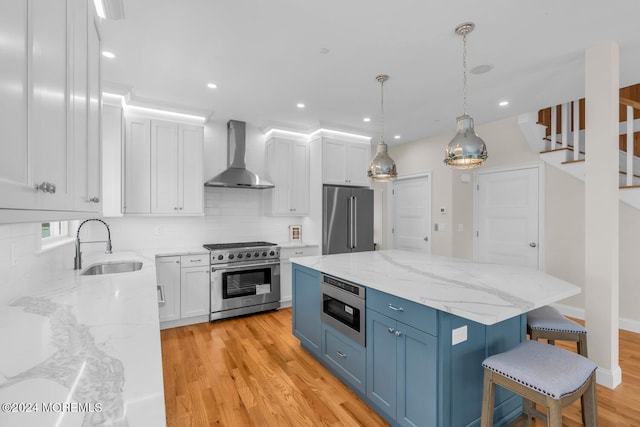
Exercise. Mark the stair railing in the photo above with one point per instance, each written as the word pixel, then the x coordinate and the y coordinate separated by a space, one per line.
pixel 631 105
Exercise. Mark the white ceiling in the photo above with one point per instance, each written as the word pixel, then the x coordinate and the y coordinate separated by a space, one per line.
pixel 265 56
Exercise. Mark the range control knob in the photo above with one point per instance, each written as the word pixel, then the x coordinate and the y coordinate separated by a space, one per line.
pixel 248 255
pixel 272 253
pixel 256 255
pixel 264 253
pixel 220 257
pixel 231 256
pixel 239 256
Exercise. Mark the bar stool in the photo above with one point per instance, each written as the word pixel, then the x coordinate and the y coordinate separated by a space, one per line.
pixel 543 374
pixel 547 322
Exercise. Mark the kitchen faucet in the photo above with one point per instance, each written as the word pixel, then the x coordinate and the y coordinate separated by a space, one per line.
pixel 77 261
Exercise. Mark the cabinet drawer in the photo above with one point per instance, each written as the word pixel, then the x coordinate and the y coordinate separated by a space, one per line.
pixel 346 357
pixel 413 314
pixel 286 253
pixel 194 260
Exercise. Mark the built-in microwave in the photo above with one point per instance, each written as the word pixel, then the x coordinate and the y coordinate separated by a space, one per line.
pixel 343 307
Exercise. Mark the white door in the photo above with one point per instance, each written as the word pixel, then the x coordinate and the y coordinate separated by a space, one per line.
pixel 164 167
pixel 508 217
pixel 194 291
pixel 412 213
pixel 190 181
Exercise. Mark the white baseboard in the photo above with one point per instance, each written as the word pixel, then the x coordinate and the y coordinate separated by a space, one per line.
pixel 608 378
pixel 630 325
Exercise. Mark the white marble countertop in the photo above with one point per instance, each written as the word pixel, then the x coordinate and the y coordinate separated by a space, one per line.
pixel 481 292
pixel 86 352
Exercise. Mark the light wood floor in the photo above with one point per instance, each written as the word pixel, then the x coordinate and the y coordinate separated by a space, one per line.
pixel 251 371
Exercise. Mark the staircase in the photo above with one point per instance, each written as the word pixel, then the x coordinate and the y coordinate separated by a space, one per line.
pixel 558 134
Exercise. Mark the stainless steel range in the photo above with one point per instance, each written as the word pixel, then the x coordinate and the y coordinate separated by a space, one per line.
pixel 245 278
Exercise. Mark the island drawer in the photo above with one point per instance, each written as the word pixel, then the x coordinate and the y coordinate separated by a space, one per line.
pixel 411 313
pixel 292 252
pixel 345 357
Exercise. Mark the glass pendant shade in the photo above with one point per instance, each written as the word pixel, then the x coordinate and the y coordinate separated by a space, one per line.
pixel 466 150
pixel 382 167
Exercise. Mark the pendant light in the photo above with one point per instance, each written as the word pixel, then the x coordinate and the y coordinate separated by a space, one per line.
pixel 466 150
pixel 382 167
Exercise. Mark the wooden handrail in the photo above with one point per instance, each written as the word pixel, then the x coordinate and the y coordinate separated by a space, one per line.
pixel 630 102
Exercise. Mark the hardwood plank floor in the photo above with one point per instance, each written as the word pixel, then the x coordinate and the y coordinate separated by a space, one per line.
pixel 251 371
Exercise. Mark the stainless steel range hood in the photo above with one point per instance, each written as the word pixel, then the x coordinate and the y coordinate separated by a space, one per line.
pixel 237 175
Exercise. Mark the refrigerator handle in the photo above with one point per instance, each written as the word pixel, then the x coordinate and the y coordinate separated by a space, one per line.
pixel 349 223
pixel 354 215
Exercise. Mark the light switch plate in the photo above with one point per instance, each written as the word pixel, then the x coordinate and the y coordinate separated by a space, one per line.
pixel 459 335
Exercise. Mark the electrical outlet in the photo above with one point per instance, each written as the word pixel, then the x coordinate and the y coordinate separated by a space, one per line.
pixel 459 335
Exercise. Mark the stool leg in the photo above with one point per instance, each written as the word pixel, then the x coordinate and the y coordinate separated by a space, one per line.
pixel 582 345
pixel 589 404
pixel 488 396
pixel 554 413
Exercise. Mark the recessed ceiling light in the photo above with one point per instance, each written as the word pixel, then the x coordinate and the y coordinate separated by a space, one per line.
pixel 396 136
pixel 108 54
pixel 212 85
pixel 300 105
pixel 481 69
pixel 366 119
pixel 324 51
pixel 503 103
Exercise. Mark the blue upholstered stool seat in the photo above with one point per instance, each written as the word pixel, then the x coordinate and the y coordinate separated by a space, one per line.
pixel 544 368
pixel 548 318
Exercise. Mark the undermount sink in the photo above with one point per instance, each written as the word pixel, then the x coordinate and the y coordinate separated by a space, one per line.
pixel 112 267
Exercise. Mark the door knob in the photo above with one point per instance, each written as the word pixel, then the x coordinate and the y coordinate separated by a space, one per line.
pixel 533 244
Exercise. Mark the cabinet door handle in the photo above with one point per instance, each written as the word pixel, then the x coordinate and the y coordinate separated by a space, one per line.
pixel 391 330
pixel 195 260
pixel 341 354
pixel 161 299
pixel 45 187
pixel 394 308
pixel 398 333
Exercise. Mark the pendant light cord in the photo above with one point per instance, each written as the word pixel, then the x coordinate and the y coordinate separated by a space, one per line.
pixel 382 110
pixel 464 70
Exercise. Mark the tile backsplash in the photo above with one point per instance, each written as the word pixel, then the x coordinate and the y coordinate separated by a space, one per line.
pixel 231 215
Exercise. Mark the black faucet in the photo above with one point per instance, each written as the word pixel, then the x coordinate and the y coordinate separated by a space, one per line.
pixel 77 261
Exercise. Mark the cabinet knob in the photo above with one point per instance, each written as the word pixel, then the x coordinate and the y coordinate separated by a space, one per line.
pixel 94 200
pixel 46 187
pixel 398 333
pixel 391 330
pixel 533 244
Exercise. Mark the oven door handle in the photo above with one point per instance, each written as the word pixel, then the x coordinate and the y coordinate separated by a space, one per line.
pixel 229 267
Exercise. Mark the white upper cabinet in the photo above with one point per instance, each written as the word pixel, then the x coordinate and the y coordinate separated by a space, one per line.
pixel 15 182
pixel 49 119
pixel 85 104
pixel 287 166
pixel 137 165
pixel 163 164
pixel 45 113
pixel 164 167
pixel 345 162
pixel 190 169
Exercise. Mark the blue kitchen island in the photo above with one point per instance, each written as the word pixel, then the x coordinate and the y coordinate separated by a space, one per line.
pixel 429 322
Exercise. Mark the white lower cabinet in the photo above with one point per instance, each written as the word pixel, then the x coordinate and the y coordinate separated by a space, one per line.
pixel 286 253
pixel 168 280
pixel 183 289
pixel 194 291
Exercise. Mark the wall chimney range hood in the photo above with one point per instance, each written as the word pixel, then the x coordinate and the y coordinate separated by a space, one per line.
pixel 237 175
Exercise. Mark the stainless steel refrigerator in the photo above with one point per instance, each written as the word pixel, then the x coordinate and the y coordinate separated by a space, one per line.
pixel 347 220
